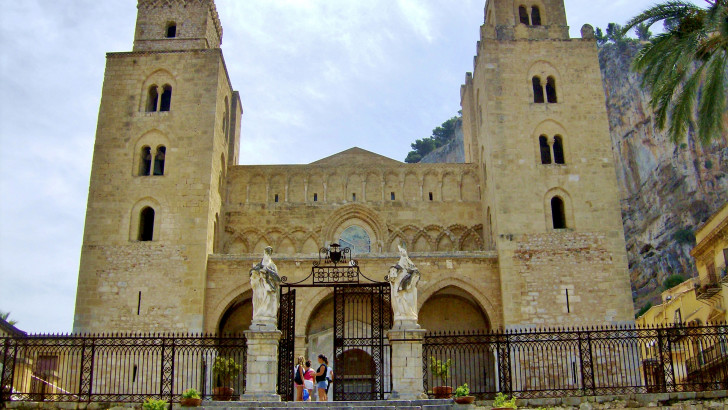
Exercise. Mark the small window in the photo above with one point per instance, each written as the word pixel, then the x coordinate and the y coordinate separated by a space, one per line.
pixel 430 196
pixel 543 144
pixel 558 214
pixel 159 160
pixel 166 100
pixel 391 196
pixel 551 90
pixel 275 199
pixel 145 163
pixel 537 90
pixel 172 30
pixel 146 224
pixel 523 15
pixel 678 317
pixel 152 99
pixel 315 197
pixel 353 197
pixel 558 150
pixel 535 16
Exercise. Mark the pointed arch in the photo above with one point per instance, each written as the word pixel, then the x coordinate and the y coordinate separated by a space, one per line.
pixel 343 217
pixel 558 209
pixel 153 89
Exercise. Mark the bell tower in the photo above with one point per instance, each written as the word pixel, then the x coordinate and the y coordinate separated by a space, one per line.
pixel 168 129
pixel 535 122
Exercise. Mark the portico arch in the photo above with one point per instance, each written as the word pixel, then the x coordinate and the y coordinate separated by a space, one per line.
pixel 466 290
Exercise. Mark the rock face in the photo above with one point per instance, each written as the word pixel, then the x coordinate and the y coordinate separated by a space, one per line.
pixel 667 190
pixel 454 151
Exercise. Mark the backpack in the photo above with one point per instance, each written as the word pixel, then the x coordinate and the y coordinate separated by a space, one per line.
pixel 297 375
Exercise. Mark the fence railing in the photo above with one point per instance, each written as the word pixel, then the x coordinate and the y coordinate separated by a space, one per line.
pixel 579 362
pixel 114 368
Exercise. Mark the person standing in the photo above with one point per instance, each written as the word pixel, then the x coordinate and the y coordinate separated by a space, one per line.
pixel 321 382
pixel 329 377
pixel 308 383
pixel 298 373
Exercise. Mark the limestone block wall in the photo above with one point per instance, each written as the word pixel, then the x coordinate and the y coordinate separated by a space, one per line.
pixel 197 25
pixel 298 208
pixel 130 285
pixel 503 125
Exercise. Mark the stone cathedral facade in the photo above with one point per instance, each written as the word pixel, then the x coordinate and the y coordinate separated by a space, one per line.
pixel 527 233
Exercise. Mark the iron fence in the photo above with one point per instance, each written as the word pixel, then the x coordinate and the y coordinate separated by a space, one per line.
pixel 580 362
pixel 115 368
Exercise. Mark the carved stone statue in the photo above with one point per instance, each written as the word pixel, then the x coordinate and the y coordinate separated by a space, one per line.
pixel 265 282
pixel 403 278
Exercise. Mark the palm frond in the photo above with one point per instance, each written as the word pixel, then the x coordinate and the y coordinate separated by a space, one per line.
pixel 674 9
pixel 681 115
pixel 712 103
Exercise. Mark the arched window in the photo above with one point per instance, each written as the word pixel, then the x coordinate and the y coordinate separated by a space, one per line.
pixel 551 90
pixel 171 30
pixel 535 16
pixel 357 239
pixel 145 162
pixel 159 160
pixel 146 224
pixel 537 90
pixel 558 214
pixel 152 99
pixel 558 150
pixel 523 15
pixel 166 100
pixel 543 144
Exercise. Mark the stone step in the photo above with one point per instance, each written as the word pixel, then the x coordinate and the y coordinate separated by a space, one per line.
pixel 335 405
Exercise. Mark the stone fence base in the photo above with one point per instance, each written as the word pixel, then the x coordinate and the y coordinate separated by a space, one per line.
pixel 717 399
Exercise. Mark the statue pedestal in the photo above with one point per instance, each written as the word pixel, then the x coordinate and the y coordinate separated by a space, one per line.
pixel 406 341
pixel 261 378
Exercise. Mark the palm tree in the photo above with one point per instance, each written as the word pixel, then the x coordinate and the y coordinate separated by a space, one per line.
pixel 686 66
pixel 4 316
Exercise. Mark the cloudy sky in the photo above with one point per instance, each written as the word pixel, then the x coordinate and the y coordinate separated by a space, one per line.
pixel 315 77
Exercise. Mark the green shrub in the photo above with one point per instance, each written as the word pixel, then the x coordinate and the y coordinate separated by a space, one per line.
pixel 226 369
pixel 153 404
pixel 644 310
pixel 672 281
pixel 191 394
pixel 440 369
pixel 501 400
pixel 708 164
pixel 462 391
pixel 684 236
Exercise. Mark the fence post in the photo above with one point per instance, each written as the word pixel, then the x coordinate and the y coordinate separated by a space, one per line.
pixel 8 372
pixel 586 362
pixel 667 376
pixel 504 363
pixel 87 369
pixel 166 389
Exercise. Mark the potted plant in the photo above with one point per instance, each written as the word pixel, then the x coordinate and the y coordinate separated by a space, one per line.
pixel 462 395
pixel 153 404
pixel 442 371
pixel 190 398
pixel 226 370
pixel 502 402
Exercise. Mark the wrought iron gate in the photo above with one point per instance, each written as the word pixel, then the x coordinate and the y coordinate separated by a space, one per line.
pixel 362 316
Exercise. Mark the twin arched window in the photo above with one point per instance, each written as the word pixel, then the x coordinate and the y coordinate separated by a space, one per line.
pixel 532 19
pixel 159 102
pixel 555 147
pixel 146 224
pixel 149 165
pixel 539 90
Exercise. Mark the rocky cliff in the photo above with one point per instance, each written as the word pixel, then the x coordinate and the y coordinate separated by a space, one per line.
pixel 454 151
pixel 667 190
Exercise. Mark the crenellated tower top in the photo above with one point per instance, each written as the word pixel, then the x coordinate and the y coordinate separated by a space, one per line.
pixel 525 19
pixel 164 25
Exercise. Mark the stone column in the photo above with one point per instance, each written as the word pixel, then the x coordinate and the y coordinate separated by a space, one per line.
pixel 261 378
pixel 406 342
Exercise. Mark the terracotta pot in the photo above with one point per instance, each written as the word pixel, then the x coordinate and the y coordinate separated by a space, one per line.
pixel 442 392
pixel 190 402
pixel 464 399
pixel 222 393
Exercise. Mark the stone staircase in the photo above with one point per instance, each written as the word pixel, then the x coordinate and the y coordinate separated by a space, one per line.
pixel 335 405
